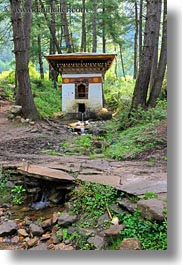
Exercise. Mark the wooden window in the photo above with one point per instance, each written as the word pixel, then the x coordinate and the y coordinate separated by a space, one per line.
pixel 81 91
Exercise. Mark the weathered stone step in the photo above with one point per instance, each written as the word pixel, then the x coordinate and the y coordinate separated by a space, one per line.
pixel 140 187
pixel 45 172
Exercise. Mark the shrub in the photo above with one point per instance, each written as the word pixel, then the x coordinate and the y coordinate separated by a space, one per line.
pixel 152 235
pixel 118 92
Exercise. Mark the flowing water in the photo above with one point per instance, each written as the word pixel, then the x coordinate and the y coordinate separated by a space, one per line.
pixel 82 131
pixel 22 211
pixel 82 117
pixel 42 204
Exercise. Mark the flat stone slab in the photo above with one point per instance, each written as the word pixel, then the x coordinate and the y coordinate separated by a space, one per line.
pixel 142 186
pixel 69 167
pixel 45 172
pixel 90 171
pixel 98 164
pixel 104 179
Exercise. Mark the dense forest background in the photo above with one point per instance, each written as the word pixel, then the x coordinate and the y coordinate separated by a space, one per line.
pixel 112 21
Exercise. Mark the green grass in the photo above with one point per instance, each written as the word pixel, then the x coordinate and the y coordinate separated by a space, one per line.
pixel 47 99
pixel 118 92
pixel 132 141
pixel 152 235
pixel 131 136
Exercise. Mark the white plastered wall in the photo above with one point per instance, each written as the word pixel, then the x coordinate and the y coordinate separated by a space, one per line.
pixel 94 101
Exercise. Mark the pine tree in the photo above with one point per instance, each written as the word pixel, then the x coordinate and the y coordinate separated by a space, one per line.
pixel 21 36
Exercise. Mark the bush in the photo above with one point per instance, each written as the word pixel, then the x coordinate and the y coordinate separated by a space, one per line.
pixel 152 235
pixel 93 200
pixel 118 93
pixel 47 100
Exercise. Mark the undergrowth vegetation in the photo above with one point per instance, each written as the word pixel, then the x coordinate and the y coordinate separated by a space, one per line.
pixel 91 202
pixel 46 97
pixel 127 137
pixel 118 92
pixel 131 136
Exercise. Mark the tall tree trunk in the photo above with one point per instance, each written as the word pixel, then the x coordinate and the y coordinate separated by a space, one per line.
pixel 21 37
pixel 143 79
pixel 157 85
pixel 116 64
pixel 103 28
pixel 27 21
pixel 136 43
pixel 83 41
pixel 64 20
pixel 94 26
pixel 41 68
pixel 53 25
pixel 53 74
pixel 140 31
pixel 51 28
pixel 122 63
pixel 155 55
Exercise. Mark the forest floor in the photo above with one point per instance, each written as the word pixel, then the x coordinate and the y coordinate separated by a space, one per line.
pixel 20 142
pixel 30 143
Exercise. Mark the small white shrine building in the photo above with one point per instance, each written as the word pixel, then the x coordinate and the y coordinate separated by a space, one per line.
pixel 82 79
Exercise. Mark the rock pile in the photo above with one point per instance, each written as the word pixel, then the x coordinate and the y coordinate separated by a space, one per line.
pixel 49 234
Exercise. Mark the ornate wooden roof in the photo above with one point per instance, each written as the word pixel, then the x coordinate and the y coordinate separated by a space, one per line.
pixel 75 63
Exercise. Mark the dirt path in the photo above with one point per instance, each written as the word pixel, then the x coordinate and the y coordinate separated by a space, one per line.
pixel 24 141
pixel 20 143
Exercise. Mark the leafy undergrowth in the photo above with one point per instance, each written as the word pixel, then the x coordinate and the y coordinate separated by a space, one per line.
pixel 91 202
pixel 46 97
pixel 132 141
pixel 151 234
pixel 129 137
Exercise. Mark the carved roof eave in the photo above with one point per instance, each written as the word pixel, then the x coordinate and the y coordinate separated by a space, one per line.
pixel 81 63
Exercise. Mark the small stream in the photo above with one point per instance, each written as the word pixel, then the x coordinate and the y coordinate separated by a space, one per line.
pixel 42 203
pixel 40 199
pixel 20 212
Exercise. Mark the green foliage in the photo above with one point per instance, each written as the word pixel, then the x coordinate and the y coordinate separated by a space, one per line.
pixel 84 141
pixel 93 199
pixel 5 191
pixel 18 194
pixel 131 136
pixel 7 77
pixel 157 114
pixel 3 182
pixel 132 141
pixel 47 99
pixel 150 195
pixel 118 92
pixel 85 145
pixel 152 235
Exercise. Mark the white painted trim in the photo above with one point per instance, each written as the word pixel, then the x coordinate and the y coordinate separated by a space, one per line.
pixel 80 75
